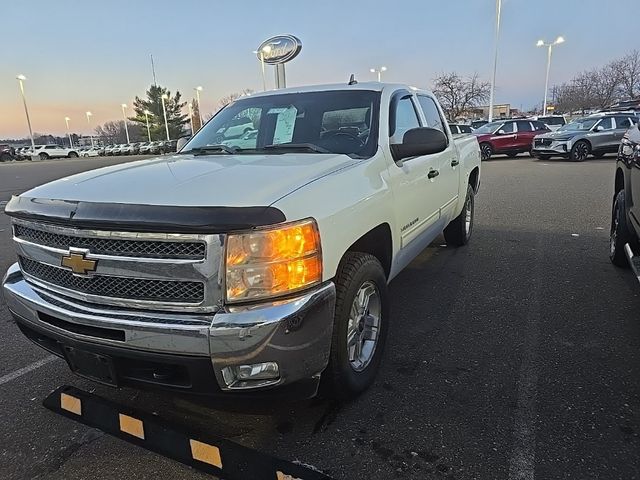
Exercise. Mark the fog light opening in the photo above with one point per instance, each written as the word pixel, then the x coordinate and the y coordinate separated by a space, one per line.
pixel 251 376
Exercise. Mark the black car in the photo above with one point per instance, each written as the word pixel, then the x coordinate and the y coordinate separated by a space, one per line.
pixel 7 152
pixel 625 218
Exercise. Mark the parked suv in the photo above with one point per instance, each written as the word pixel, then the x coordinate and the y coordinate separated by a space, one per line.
pixel 6 152
pixel 509 137
pixel 553 122
pixel 54 151
pixel 594 135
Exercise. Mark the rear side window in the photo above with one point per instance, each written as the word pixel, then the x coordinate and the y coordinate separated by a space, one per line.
pixel 524 126
pixel 539 126
pixel 464 128
pixel 431 113
pixel 454 129
pixel 623 122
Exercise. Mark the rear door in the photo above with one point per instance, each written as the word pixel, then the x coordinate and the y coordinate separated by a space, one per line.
pixel 447 183
pixel 623 124
pixel 525 135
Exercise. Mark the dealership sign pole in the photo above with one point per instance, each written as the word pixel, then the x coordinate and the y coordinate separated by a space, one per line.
pixel 277 51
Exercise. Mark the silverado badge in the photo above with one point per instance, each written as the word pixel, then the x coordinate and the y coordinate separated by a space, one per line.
pixel 78 264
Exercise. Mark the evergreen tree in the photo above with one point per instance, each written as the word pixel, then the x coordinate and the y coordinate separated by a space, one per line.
pixel 153 103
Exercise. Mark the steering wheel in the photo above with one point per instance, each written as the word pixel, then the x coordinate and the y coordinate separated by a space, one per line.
pixel 334 134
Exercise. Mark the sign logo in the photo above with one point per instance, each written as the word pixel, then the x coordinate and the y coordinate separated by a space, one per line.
pixel 279 49
pixel 77 262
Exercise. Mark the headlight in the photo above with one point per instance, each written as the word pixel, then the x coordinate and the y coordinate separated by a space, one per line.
pixel 272 262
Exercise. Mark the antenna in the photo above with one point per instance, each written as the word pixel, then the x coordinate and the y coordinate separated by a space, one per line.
pixel 352 79
pixel 153 70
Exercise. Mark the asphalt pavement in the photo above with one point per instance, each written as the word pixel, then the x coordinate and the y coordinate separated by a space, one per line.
pixel 515 357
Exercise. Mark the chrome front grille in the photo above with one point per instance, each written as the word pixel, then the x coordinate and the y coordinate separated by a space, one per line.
pixel 116 287
pixel 133 270
pixel 113 246
pixel 543 142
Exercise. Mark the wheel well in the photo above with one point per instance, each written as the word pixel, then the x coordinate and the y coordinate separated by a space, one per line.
pixel 473 179
pixel 619 183
pixel 376 242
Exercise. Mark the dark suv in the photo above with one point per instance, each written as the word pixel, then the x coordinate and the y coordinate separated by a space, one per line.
pixel 625 216
pixel 6 152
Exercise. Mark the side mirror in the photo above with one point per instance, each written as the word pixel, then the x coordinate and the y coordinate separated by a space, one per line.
pixel 599 128
pixel 419 141
pixel 182 141
pixel 501 132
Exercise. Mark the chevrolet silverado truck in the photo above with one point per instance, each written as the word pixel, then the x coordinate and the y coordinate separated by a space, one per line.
pixel 260 269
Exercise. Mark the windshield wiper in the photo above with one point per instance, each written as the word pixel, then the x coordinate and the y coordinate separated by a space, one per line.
pixel 211 149
pixel 299 147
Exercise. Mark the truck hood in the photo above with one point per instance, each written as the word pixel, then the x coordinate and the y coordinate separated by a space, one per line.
pixel 187 180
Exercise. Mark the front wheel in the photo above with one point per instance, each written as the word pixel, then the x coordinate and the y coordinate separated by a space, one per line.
pixel 458 232
pixel 485 151
pixel 360 325
pixel 620 234
pixel 580 151
pixel 72 155
pixel 43 156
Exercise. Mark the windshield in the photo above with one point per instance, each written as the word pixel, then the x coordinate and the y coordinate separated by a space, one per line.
pixel 579 124
pixel 343 122
pixel 489 127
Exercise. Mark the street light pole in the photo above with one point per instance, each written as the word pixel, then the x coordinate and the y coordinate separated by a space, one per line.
pixel 21 78
pixel 164 112
pixel 549 46
pixel 495 59
pixel 124 115
pixel 66 120
pixel 379 72
pixel 89 123
pixel 146 116
pixel 198 90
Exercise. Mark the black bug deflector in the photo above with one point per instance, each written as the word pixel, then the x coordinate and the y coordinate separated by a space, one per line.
pixel 207 453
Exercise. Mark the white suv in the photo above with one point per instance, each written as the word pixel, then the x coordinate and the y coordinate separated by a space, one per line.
pixel 54 151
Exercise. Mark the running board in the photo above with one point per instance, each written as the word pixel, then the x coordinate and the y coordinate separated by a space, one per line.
pixel 634 261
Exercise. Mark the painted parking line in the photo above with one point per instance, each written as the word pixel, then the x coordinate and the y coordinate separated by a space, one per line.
pixel 24 370
pixel 205 452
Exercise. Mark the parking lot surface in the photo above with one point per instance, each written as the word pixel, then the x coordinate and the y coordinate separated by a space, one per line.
pixel 516 357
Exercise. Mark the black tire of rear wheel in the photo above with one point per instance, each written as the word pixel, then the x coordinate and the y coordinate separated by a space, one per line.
pixel 580 151
pixel 620 234
pixel 456 233
pixel 339 380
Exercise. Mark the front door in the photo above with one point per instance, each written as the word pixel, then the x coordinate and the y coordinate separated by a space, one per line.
pixel 505 137
pixel 602 136
pixel 524 136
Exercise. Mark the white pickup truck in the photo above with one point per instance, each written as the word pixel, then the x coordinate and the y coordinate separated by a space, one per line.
pixel 254 270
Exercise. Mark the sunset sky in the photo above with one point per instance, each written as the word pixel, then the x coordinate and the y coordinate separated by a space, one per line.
pixel 81 55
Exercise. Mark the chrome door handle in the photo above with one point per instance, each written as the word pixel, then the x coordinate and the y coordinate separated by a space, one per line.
pixel 433 174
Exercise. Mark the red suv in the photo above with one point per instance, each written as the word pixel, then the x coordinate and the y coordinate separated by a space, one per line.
pixel 510 137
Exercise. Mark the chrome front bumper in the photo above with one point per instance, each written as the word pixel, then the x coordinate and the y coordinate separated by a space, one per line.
pixel 295 333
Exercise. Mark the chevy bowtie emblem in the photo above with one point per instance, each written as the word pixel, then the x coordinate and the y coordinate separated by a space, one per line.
pixel 78 264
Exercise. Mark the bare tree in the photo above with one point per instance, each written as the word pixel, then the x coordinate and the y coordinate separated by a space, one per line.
pixel 232 97
pixel 114 132
pixel 630 75
pixel 458 95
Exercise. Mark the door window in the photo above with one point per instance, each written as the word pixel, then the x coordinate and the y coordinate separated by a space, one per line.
pixel 606 123
pixel 508 127
pixel 406 118
pixel 431 113
pixel 524 126
pixel 623 122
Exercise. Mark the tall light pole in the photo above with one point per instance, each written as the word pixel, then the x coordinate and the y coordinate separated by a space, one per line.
pixel 191 118
pixel 88 114
pixel 66 120
pixel 21 78
pixel 164 112
pixel 379 72
pixel 146 116
pixel 263 50
pixel 541 43
pixel 124 116
pixel 198 89
pixel 495 59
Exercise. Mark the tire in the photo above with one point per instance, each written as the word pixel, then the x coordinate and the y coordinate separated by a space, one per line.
pixel 620 234
pixel 72 155
pixel 580 151
pixel 459 231
pixel 486 150
pixel 348 373
pixel 43 156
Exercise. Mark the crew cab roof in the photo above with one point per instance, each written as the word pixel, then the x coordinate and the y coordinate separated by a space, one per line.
pixel 372 86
